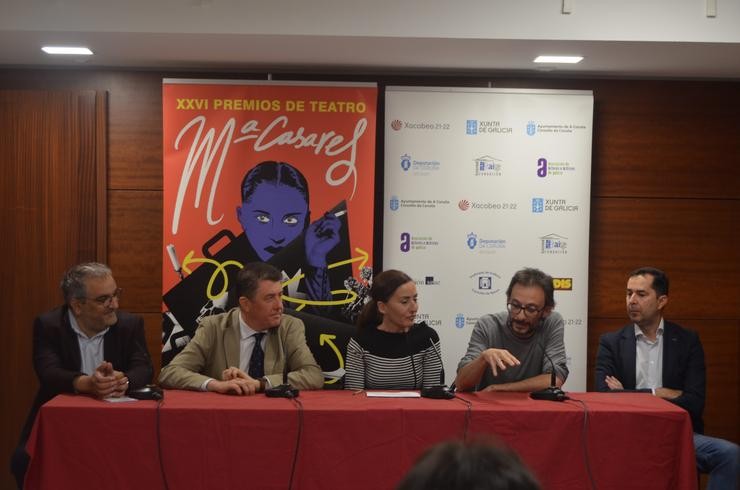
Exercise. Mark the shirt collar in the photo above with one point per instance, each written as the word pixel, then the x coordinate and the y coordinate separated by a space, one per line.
pixel 79 332
pixel 639 334
pixel 245 331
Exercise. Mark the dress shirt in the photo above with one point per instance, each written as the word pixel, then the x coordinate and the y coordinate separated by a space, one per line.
pixel 91 348
pixel 649 359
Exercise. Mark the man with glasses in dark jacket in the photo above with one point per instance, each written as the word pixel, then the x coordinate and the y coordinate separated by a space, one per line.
pixel 87 346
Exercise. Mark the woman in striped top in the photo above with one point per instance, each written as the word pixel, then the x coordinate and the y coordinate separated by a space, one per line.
pixel 390 351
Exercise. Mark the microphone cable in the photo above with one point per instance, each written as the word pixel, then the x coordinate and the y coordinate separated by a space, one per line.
pixel 584 442
pixel 159 445
pixel 468 416
pixel 293 465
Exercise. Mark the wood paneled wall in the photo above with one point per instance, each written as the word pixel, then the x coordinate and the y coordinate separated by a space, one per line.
pixel 665 192
pixel 52 169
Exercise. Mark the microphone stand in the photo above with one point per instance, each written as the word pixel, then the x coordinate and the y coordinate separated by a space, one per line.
pixel 439 391
pixel 552 393
pixel 284 390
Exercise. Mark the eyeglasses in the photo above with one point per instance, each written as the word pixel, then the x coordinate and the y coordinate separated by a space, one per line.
pixel 107 299
pixel 529 310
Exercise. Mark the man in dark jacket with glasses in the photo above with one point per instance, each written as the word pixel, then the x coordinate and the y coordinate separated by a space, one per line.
pixel 86 346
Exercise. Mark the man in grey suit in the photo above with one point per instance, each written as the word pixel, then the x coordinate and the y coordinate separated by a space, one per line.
pixel 245 350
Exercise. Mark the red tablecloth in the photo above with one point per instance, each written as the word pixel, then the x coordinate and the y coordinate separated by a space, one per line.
pixel 211 441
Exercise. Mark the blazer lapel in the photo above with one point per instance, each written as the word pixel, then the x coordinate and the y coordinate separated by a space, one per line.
pixel 273 351
pixel 72 345
pixel 232 336
pixel 629 355
pixel 671 345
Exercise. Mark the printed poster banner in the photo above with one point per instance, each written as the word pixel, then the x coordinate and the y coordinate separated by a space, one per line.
pixel 480 183
pixel 280 172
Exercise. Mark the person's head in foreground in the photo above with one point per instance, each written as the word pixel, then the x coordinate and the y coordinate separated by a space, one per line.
pixel 477 465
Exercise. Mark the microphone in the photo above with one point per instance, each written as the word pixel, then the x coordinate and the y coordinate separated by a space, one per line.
pixel 284 390
pixel 553 393
pixel 148 392
pixel 439 391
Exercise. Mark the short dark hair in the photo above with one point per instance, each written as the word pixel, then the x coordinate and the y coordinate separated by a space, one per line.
pixel 660 279
pixel 73 281
pixel 384 285
pixel 476 465
pixel 248 279
pixel 530 276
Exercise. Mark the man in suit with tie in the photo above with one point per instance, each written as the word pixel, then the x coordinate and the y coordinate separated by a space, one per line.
pixel 663 358
pixel 245 350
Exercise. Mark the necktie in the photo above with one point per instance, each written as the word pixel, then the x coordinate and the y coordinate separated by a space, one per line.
pixel 257 361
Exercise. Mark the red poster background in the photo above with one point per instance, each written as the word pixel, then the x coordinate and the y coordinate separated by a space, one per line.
pixel 313 127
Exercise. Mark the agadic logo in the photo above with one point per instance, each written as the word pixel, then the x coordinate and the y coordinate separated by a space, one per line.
pixel 488 166
pixel 405 162
pixel 485 282
pixel 464 205
pixel 562 283
pixel 394 203
pixel 409 242
pixel 531 128
pixel 545 168
pixel 396 124
pixel 553 244
pixel 542 167
pixel 405 242
pixel 541 205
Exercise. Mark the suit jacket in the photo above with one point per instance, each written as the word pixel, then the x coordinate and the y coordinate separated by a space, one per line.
pixel 683 365
pixel 215 347
pixel 57 360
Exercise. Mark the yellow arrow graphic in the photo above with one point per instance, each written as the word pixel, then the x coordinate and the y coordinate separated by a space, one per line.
pixel 220 270
pixel 362 259
pixel 318 302
pixel 329 339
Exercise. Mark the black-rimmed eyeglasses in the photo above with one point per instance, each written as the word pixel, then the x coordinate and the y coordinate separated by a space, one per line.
pixel 529 310
pixel 107 299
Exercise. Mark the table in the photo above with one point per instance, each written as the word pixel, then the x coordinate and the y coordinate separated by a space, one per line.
pixel 211 441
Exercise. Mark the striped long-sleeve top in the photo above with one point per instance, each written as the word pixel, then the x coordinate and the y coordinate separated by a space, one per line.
pixel 393 361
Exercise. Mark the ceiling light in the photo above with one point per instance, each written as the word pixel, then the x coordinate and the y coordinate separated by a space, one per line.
pixel 558 59
pixel 67 50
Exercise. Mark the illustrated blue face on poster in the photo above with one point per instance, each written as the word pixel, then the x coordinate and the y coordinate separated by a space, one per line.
pixel 275 211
